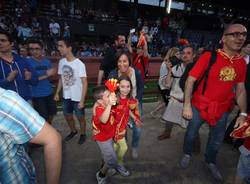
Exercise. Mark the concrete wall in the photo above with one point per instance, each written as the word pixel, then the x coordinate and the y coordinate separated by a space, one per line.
pixel 92 66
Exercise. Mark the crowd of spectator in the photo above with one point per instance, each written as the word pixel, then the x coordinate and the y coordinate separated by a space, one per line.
pixel 51 21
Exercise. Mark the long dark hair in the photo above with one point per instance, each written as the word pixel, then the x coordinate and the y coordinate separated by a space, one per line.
pixel 126 78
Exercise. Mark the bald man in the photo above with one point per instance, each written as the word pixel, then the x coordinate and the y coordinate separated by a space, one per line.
pixel 214 104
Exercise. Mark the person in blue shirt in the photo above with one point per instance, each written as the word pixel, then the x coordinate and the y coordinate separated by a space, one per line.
pixel 42 92
pixel 15 72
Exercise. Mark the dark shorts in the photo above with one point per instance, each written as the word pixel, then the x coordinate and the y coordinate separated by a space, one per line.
pixel 164 93
pixel 45 106
pixel 70 106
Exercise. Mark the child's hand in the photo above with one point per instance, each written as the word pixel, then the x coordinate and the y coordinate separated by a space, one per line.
pixel 112 99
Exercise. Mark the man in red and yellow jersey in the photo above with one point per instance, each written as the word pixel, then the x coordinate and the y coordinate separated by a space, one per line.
pixel 225 83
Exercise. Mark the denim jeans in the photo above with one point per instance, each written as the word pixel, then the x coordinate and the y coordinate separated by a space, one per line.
pixel 215 137
pixel 136 131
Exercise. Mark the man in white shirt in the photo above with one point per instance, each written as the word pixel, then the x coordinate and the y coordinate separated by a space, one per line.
pixel 73 81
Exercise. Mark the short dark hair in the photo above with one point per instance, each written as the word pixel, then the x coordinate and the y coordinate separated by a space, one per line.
pixel 98 91
pixel 37 42
pixel 116 35
pixel 8 35
pixel 190 46
pixel 68 42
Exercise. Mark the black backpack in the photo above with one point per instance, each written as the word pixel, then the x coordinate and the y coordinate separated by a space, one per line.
pixel 205 75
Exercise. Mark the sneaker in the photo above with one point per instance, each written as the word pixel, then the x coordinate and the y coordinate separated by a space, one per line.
pixel 101 180
pixel 82 139
pixel 70 136
pixel 215 172
pixel 122 170
pixel 185 160
pixel 134 153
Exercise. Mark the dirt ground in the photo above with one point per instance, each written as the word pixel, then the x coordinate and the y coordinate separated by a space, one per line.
pixel 157 162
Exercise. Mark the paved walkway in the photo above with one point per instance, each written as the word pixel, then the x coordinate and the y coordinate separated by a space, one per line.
pixel 157 162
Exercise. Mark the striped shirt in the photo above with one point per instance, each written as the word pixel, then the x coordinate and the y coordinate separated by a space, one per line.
pixel 19 123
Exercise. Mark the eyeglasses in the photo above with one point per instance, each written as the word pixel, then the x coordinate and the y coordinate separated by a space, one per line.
pixel 236 34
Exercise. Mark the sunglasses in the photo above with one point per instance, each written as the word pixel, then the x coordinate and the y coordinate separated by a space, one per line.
pixel 236 34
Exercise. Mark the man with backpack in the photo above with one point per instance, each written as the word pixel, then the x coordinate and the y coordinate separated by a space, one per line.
pixel 213 102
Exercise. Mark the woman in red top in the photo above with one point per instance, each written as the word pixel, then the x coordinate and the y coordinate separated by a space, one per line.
pixel 127 107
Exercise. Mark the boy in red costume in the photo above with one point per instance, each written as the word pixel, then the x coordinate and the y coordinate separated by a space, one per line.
pixel 103 124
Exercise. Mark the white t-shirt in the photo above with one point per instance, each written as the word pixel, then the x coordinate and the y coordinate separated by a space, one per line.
pixel 54 28
pixel 71 73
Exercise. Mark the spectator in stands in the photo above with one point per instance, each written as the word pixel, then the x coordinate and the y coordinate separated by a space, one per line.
pixel 212 106
pixel 15 73
pixel 66 31
pixel 20 124
pixel 84 51
pixel 173 112
pixel 36 28
pixel 139 23
pixel 58 12
pixel 124 68
pixel 24 32
pixel 109 61
pixel 134 37
pixel 54 29
pixel 23 50
pixel 3 26
pixel 42 92
pixel 145 27
pixel 73 81
pixel 19 11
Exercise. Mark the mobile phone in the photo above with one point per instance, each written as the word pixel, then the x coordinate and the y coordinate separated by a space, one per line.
pixel 132 30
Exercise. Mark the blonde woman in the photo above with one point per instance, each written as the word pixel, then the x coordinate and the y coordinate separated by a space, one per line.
pixel 173 54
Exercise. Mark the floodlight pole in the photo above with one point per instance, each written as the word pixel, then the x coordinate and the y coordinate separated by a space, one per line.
pixel 168 8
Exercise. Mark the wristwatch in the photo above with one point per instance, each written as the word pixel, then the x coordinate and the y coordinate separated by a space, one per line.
pixel 243 114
